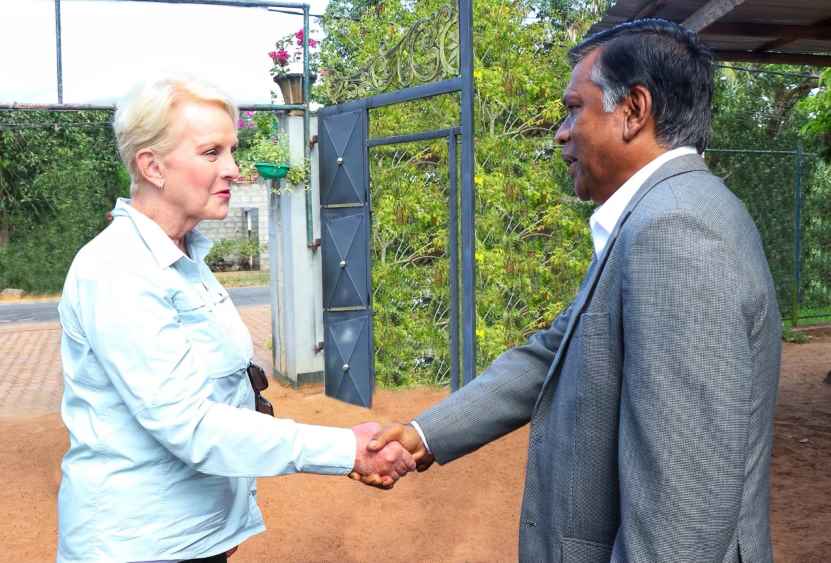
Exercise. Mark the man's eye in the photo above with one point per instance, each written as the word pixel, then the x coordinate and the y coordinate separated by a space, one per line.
pixel 211 152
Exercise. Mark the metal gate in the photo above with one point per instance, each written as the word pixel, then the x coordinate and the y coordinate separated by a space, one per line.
pixel 345 219
pixel 345 223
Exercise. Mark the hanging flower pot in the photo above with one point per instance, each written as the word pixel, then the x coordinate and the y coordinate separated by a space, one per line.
pixel 271 170
pixel 291 86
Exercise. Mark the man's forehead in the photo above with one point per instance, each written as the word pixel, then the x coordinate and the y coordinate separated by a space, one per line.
pixel 581 74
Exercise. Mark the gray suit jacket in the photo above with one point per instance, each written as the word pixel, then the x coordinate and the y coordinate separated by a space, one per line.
pixel 651 397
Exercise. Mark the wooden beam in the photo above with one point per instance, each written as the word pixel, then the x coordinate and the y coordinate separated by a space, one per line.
pixel 818 31
pixel 774 58
pixel 784 39
pixel 710 13
pixel 649 9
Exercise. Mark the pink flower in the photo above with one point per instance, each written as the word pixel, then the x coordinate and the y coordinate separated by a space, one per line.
pixel 273 55
pixel 313 43
pixel 299 36
pixel 281 57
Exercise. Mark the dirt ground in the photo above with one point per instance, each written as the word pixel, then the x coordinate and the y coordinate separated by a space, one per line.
pixel 464 511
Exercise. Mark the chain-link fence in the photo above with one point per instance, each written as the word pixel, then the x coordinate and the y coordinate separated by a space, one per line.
pixel 788 193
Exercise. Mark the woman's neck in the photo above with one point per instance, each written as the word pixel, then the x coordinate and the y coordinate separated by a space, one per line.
pixel 171 220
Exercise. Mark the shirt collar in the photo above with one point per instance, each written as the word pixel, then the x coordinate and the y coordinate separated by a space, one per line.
pixel 164 250
pixel 605 218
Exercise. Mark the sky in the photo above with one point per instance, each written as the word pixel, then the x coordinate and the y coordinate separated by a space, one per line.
pixel 109 45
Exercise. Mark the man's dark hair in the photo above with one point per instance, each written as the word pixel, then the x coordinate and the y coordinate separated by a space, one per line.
pixel 667 59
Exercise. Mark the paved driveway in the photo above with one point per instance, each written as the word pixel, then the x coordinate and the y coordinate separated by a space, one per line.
pixel 45 311
pixel 31 382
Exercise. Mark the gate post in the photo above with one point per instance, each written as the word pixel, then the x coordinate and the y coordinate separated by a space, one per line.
pixel 296 274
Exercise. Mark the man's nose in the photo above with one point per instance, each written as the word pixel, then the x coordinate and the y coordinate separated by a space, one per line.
pixel 563 133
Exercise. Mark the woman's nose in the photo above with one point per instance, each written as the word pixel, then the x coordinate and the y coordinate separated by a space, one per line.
pixel 230 168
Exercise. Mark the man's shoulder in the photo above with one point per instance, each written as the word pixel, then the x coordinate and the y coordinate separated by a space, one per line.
pixel 697 194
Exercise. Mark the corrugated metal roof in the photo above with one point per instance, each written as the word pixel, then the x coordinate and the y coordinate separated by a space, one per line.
pixel 780 31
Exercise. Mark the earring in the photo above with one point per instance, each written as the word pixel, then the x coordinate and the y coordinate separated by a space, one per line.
pixel 161 188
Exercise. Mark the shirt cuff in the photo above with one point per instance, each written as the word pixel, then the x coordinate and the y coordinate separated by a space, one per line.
pixel 325 450
pixel 420 432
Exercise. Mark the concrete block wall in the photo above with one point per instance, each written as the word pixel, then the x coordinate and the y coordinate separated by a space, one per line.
pixel 252 195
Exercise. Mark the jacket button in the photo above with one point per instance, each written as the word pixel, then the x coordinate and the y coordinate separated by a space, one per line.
pixel 530 524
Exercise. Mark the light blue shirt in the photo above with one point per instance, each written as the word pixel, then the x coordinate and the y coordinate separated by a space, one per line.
pixel 164 441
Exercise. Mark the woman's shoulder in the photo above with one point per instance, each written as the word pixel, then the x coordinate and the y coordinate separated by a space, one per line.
pixel 116 249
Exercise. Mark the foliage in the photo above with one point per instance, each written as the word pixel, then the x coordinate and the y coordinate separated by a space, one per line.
pixel 259 141
pixel 795 336
pixel 233 254
pixel 816 275
pixel 288 56
pixel 532 243
pixel 299 175
pixel 59 175
pixel 818 107
pixel 762 111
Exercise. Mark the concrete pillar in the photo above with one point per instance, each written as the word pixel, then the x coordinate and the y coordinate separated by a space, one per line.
pixel 296 281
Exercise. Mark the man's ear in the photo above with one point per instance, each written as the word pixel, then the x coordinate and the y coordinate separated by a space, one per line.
pixel 637 111
pixel 150 167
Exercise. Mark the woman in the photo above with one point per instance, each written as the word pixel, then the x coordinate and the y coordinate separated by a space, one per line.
pixel 164 439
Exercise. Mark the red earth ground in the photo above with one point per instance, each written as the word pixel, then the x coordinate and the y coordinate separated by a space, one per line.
pixel 464 511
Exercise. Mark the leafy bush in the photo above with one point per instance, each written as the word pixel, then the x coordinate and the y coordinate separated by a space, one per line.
pixel 532 241
pixel 818 106
pixel 233 254
pixel 39 254
pixel 259 141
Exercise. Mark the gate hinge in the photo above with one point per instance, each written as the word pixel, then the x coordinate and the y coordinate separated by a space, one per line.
pixel 318 347
pixel 314 245
pixel 312 141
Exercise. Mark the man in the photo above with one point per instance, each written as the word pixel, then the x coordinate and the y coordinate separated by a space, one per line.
pixel 651 397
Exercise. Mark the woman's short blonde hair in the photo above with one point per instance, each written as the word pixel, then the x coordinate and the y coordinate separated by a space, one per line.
pixel 143 118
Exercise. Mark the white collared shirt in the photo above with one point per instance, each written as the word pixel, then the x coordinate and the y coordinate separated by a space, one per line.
pixel 164 439
pixel 605 218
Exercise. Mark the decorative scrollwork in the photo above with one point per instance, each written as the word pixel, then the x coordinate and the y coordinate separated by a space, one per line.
pixel 428 51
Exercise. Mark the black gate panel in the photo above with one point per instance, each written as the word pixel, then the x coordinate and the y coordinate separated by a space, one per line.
pixel 345 265
pixel 344 225
pixel 350 373
pixel 343 164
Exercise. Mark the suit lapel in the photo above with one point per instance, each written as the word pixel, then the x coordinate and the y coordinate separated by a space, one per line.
pixel 674 167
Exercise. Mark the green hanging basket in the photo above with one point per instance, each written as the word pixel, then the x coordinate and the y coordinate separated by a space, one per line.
pixel 271 170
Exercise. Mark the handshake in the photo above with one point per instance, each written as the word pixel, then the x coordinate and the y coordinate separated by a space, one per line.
pixel 385 455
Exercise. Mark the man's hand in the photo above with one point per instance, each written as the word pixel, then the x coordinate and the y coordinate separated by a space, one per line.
pixel 403 434
pixel 384 464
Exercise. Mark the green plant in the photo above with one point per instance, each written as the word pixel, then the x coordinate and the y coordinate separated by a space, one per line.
pixel 232 254
pixel 299 175
pixel 818 106
pixel 263 148
pixel 288 50
pixel 795 336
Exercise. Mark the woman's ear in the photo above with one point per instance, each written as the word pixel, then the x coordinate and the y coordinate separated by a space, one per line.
pixel 637 111
pixel 150 167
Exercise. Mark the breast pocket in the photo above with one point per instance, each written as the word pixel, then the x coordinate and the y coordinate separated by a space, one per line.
pixel 190 310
